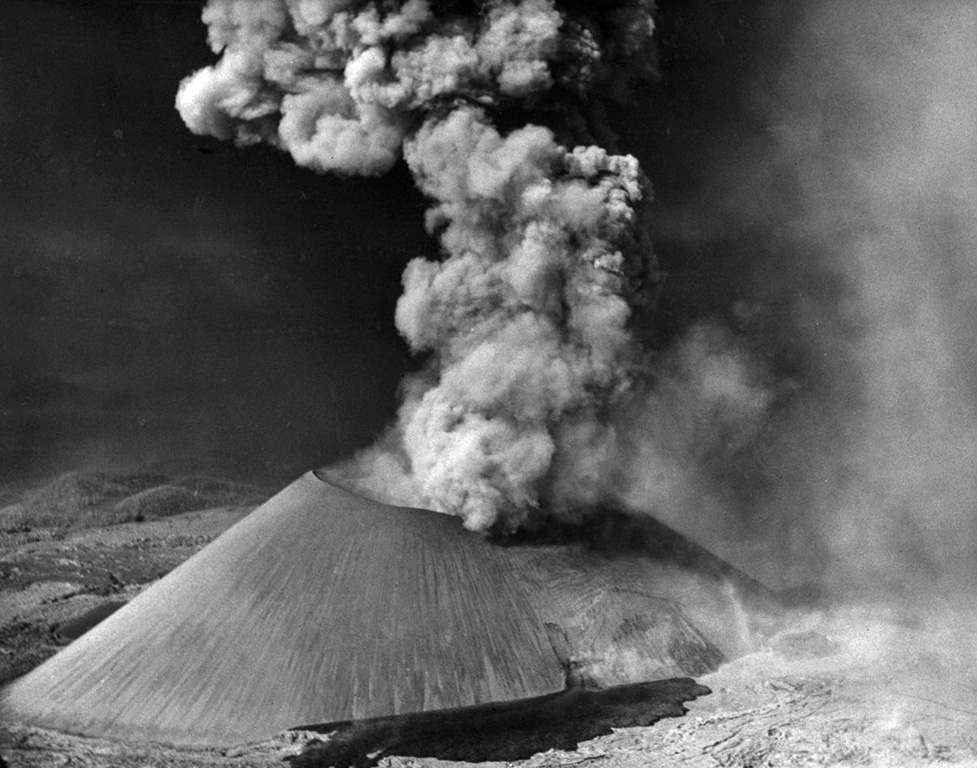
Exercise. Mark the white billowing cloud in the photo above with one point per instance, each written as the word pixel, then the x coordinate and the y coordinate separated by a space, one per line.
pixel 288 55
pixel 441 66
pixel 253 23
pixel 227 100
pixel 527 314
pixel 324 129
pixel 519 41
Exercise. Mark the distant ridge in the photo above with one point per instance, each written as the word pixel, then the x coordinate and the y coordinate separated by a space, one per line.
pixel 79 499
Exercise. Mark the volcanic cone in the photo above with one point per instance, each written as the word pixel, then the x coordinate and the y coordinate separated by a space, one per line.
pixel 319 606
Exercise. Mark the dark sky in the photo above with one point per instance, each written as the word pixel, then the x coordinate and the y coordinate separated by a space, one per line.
pixel 171 301
pixel 166 296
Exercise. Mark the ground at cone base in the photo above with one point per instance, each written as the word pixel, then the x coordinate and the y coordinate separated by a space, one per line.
pixel 262 621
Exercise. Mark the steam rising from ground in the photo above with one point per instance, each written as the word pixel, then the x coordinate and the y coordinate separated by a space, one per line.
pixel 526 317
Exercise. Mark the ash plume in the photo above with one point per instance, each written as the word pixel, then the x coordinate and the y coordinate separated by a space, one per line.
pixel 812 419
pixel 527 317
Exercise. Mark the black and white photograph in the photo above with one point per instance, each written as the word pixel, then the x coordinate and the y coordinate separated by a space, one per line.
pixel 517 383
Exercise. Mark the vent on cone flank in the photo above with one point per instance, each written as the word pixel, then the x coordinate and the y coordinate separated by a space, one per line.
pixel 319 606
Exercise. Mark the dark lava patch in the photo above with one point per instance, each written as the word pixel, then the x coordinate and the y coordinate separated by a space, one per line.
pixel 496 732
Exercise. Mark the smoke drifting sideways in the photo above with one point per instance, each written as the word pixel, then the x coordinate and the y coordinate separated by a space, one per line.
pixel 846 225
pixel 880 123
pixel 526 318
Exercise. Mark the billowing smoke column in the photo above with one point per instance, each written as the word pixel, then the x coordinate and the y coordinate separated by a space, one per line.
pixel 526 317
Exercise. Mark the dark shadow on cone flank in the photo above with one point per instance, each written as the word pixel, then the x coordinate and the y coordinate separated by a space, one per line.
pixel 79 625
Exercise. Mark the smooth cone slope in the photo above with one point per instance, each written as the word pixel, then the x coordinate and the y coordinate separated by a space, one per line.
pixel 319 606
